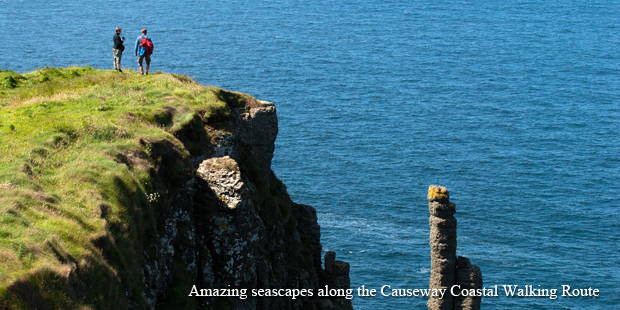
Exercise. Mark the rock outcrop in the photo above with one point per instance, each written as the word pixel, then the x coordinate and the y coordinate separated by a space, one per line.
pixel 468 276
pixel 233 226
pixel 337 278
pixel 446 269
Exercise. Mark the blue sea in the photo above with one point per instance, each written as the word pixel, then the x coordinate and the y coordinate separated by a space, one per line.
pixel 513 105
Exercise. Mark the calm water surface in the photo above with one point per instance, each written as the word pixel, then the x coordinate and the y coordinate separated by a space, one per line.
pixel 514 106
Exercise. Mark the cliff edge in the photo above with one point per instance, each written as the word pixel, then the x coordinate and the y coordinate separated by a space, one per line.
pixel 149 192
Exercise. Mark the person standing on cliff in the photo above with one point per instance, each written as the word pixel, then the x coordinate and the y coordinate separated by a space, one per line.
pixel 118 49
pixel 144 49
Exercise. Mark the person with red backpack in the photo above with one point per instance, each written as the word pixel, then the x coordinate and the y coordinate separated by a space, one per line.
pixel 144 49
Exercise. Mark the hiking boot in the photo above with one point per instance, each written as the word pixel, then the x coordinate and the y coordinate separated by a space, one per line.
pixel 120 70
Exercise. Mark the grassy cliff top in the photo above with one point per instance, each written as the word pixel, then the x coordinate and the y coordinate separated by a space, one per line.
pixel 88 160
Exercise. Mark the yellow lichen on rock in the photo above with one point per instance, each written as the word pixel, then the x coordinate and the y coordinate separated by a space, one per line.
pixel 436 192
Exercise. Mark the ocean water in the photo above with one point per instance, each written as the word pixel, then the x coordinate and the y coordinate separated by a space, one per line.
pixel 513 105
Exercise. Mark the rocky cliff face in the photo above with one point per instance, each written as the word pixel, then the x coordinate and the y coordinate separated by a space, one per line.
pixel 232 225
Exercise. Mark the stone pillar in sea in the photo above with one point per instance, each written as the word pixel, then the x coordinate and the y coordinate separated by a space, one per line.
pixel 443 246
pixel 446 269
pixel 336 277
pixel 468 276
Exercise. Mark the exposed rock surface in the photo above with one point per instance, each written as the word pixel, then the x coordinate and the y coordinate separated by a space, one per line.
pixel 443 246
pixel 468 276
pixel 337 277
pixel 233 226
pixel 446 270
pixel 258 129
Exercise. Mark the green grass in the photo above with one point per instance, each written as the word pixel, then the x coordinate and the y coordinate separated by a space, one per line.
pixel 81 150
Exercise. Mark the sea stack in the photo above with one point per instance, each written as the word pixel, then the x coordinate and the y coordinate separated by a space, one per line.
pixel 446 269
pixel 443 246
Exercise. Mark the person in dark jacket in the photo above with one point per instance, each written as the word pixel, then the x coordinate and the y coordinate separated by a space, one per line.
pixel 117 49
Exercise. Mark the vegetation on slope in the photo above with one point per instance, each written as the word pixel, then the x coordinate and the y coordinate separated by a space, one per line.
pixel 89 160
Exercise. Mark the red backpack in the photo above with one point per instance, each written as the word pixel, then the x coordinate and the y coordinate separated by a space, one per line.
pixel 147 46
